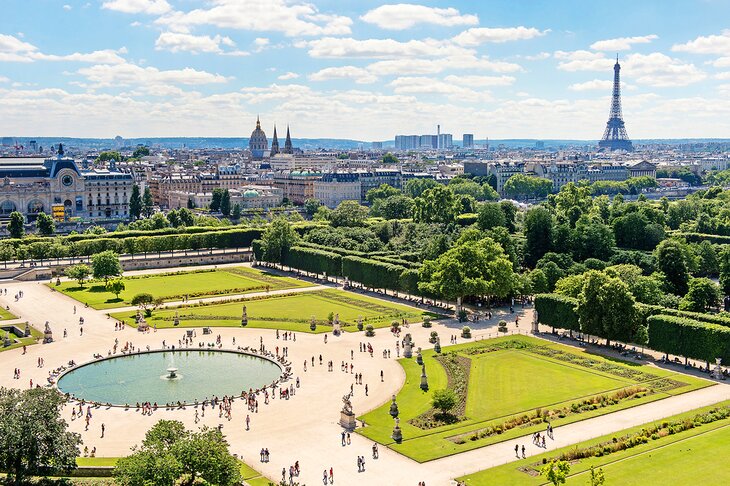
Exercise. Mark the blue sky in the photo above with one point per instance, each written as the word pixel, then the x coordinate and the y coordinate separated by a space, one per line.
pixel 363 69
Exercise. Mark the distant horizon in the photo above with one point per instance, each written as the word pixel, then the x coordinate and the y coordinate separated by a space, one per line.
pixel 375 69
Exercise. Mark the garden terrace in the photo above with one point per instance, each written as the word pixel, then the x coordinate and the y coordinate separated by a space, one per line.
pixel 176 285
pixel 683 447
pixel 291 312
pixel 513 386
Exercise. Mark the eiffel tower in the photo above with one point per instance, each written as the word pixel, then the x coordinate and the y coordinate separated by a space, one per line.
pixel 615 137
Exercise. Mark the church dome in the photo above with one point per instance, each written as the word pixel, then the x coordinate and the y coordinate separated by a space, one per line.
pixel 251 193
pixel 258 144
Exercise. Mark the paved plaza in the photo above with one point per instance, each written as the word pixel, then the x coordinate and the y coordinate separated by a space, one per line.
pixel 304 428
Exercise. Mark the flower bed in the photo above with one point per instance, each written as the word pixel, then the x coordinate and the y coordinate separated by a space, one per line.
pixel 457 374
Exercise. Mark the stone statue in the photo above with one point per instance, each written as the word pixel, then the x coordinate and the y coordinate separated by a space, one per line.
pixel 419 357
pixel 397 433
pixel 424 378
pixel 347 404
pixel 7 341
pixel 244 317
pixel 394 409
pixel 535 322
pixel 176 322
pixel 407 346
pixel 47 334
pixel 437 346
pixel 347 417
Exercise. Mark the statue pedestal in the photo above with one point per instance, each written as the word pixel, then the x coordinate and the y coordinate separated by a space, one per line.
pixel 347 420
pixel 142 326
pixel 717 372
pixel 535 323
pixel 397 434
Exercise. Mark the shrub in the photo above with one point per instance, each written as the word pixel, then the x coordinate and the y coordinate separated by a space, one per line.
pixel 369 330
pixel 426 322
pixel 466 332
pixel 502 326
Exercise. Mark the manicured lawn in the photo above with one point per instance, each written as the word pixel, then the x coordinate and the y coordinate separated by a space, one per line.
pixel 35 335
pixel 6 315
pixel 174 286
pixel 287 312
pixel 508 382
pixel 687 457
pixel 96 461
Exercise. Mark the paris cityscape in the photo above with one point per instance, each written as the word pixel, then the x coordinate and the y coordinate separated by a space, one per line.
pixel 278 242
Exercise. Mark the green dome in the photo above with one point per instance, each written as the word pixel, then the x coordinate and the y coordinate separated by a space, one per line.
pixel 251 193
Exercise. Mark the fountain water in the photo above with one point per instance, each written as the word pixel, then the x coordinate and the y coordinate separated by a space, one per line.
pixel 171 370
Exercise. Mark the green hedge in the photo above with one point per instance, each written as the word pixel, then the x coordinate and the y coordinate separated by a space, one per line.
pixel 372 273
pixel 557 310
pixel 315 261
pixel 699 237
pixel 396 261
pixel 467 219
pixel 686 337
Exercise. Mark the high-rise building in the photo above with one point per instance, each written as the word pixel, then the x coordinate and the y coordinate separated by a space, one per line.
pixel 377 145
pixel 467 140
pixel 407 142
pixel 428 142
pixel 445 141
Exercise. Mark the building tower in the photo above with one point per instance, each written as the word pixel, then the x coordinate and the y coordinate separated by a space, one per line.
pixel 615 137
pixel 257 143
pixel 287 144
pixel 274 144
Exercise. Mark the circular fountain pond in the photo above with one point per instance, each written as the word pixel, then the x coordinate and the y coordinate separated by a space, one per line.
pixel 168 377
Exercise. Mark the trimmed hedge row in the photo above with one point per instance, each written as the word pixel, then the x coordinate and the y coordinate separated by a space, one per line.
pixel 315 261
pixel 699 237
pixel 557 310
pixel 372 273
pixel 685 337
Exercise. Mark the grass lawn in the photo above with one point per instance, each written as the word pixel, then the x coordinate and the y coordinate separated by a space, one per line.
pixel 35 335
pixel 683 458
pixel 508 383
pixel 6 315
pixel 287 312
pixel 174 286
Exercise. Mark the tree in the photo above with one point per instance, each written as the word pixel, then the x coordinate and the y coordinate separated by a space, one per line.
pixel 635 231
pixel 394 207
pixel 472 268
pixel 416 187
pixel 216 199
pixel 491 215
pixel 34 439
pixel 135 203
pixel 724 265
pixel 277 240
pixel 226 203
pixel 16 226
pixel 597 478
pixel 174 218
pixel 140 152
pixel 436 205
pixel 45 224
pixel 115 286
pixel 382 192
pixel 170 454
pixel 79 273
pixel 510 212
pixel 444 400
pixel 105 265
pixel 606 307
pixel 186 217
pixel 524 186
pixel 556 471
pixel 538 281
pixel 349 213
pixel 592 240
pixel 147 202
pixel 703 294
pixel 143 300
pixel 311 205
pixel 390 159
pixel 236 212
pixel 672 261
pixel 538 234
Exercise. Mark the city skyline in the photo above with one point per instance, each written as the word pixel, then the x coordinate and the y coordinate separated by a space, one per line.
pixel 363 71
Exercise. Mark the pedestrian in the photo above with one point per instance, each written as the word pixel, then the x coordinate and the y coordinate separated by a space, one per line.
pixel 343 438
pixel 103 428
pixel 517 450
pixel 523 451
pixel 332 476
pixel 248 421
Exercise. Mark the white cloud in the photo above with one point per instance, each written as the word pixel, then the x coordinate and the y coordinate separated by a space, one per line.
pixel 537 57
pixel 152 7
pixel 405 15
pixel 723 76
pixel 337 47
pixel 582 61
pixel 178 42
pixel 721 62
pixel 710 44
pixel 3 79
pixel 13 49
pixel 659 70
pixel 481 35
pixel 422 85
pixel 293 18
pixel 622 43
pixel 287 76
pixel 480 81
pixel 359 75
pixel 595 84
pixel 67 7
pixel 104 76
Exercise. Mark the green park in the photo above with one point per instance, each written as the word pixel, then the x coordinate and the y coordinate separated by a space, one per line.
pixel 680 449
pixel 178 285
pixel 291 312
pixel 509 387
